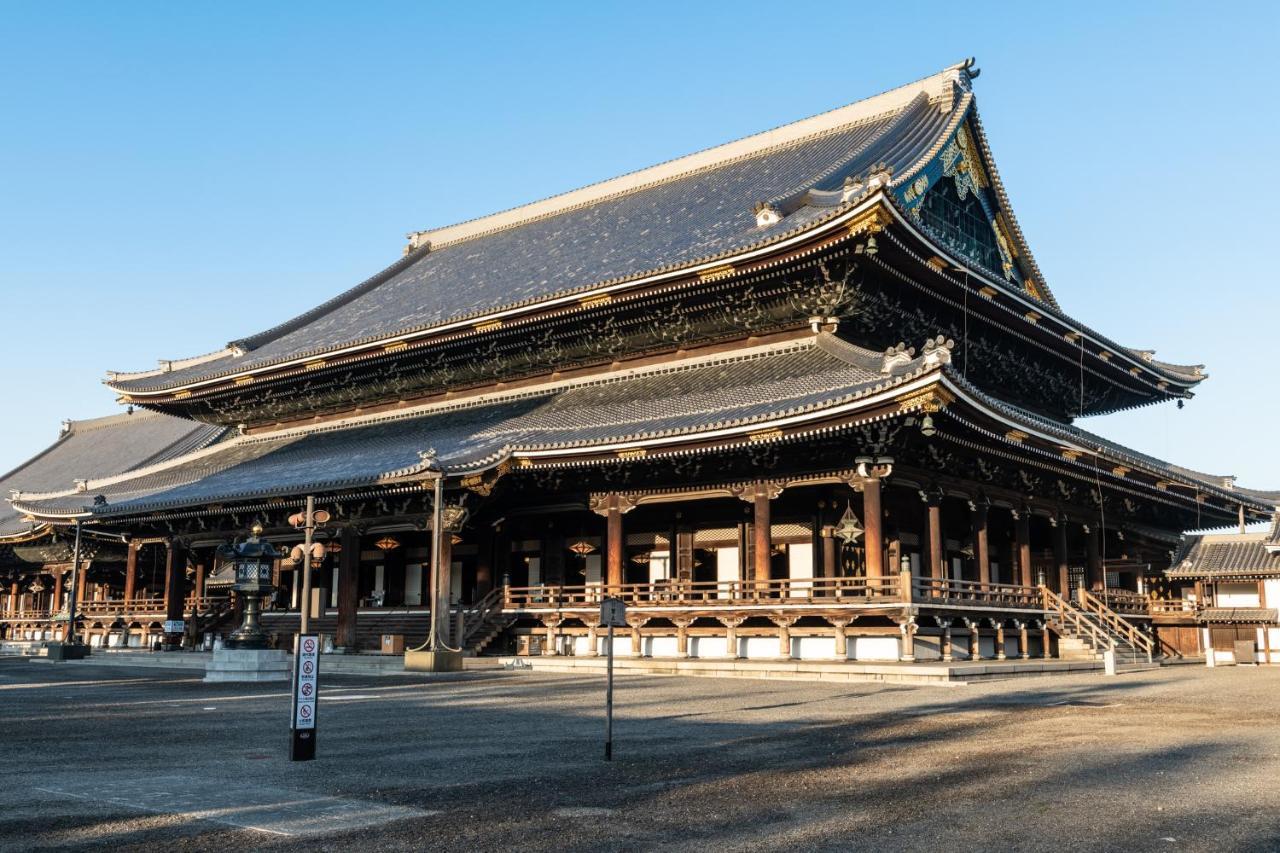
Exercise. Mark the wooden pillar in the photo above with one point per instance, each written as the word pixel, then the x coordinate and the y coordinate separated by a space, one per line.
pixel 1060 557
pixel 947 655
pixel 829 558
pixel 761 531
pixel 1094 567
pixel 908 630
pixel 1024 649
pixel 131 572
pixel 841 625
pixel 202 566
pixel 348 589
pixel 592 640
pixel 549 644
pixel 1022 535
pixel 82 585
pixel 446 574
pixel 637 640
pixel 611 507
pixel 873 523
pixel 975 639
pixel 1000 655
pixel 57 591
pixel 980 550
pixel 936 546
pixel 175 581
pixel 682 637
pixel 784 624
pixel 13 598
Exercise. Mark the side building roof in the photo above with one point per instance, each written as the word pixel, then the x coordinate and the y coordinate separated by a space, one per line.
pixel 95 448
pixel 1226 556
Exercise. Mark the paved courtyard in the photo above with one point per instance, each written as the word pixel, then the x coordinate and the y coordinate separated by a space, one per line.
pixel 1182 758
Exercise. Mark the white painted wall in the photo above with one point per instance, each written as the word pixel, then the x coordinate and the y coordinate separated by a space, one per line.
pixel 660 647
pixel 759 648
pixel 800 568
pixel 413 574
pixel 726 570
pixel 659 566
pixel 813 648
pixel 1237 595
pixel 873 648
pixel 1272 589
pixel 708 647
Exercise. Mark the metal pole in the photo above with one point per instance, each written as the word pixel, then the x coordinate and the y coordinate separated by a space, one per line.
pixel 70 637
pixel 435 641
pixel 608 700
pixel 309 526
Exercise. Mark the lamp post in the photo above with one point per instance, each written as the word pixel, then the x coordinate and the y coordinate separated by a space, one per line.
pixel 253 560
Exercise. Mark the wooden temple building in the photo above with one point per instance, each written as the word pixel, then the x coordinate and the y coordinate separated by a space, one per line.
pixel 803 395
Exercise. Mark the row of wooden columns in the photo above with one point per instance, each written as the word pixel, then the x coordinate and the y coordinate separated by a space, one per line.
pixel 760 498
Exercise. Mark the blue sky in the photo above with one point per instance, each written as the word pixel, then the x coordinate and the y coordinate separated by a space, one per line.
pixel 173 176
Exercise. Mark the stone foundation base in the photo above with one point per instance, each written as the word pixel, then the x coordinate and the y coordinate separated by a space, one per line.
pixel 432 661
pixel 249 665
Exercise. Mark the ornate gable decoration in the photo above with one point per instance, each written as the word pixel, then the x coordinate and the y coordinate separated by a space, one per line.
pixel 952 199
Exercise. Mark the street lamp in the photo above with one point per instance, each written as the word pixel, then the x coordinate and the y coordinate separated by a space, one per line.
pixel 253 561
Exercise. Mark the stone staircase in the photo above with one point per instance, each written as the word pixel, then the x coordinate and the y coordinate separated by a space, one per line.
pixel 473 628
pixel 1087 629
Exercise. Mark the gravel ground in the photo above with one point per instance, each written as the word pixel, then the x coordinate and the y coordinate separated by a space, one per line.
pixel 1183 758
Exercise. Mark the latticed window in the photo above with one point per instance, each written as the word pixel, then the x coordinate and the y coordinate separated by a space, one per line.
pixel 960 223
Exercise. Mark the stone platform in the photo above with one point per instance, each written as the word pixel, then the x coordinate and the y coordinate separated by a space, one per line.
pixel 249 665
pixel 930 672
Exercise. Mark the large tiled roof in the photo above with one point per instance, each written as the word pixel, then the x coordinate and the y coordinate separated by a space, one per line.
pixel 694 209
pixel 716 392
pixel 101 447
pixel 1211 483
pixel 1226 555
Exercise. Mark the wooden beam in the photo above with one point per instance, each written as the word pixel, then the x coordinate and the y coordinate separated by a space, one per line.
pixel 348 588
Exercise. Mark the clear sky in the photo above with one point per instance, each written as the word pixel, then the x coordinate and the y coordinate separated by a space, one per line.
pixel 174 176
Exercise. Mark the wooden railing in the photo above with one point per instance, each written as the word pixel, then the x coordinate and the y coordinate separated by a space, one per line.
pixel 976 592
pixel 31 613
pixel 708 593
pixel 478 615
pixel 1074 621
pixel 1171 606
pixel 1094 607
pixel 1124 601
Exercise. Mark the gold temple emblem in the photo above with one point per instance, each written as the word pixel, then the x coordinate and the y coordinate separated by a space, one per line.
pixel 716 273
pixel 929 400
pixel 593 301
pixel 395 346
pixel 765 434
pixel 488 326
pixel 632 453
pixel 315 365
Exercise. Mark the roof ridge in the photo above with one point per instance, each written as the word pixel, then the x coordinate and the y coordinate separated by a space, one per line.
pixel 856 112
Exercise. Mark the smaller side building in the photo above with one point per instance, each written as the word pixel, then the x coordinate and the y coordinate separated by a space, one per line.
pixel 1234 579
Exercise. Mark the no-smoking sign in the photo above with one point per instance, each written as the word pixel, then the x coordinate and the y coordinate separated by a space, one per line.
pixel 306 671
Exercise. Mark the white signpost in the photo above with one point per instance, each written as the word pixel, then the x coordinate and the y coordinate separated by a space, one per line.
pixel 306 688
pixel 613 614
pixel 174 626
